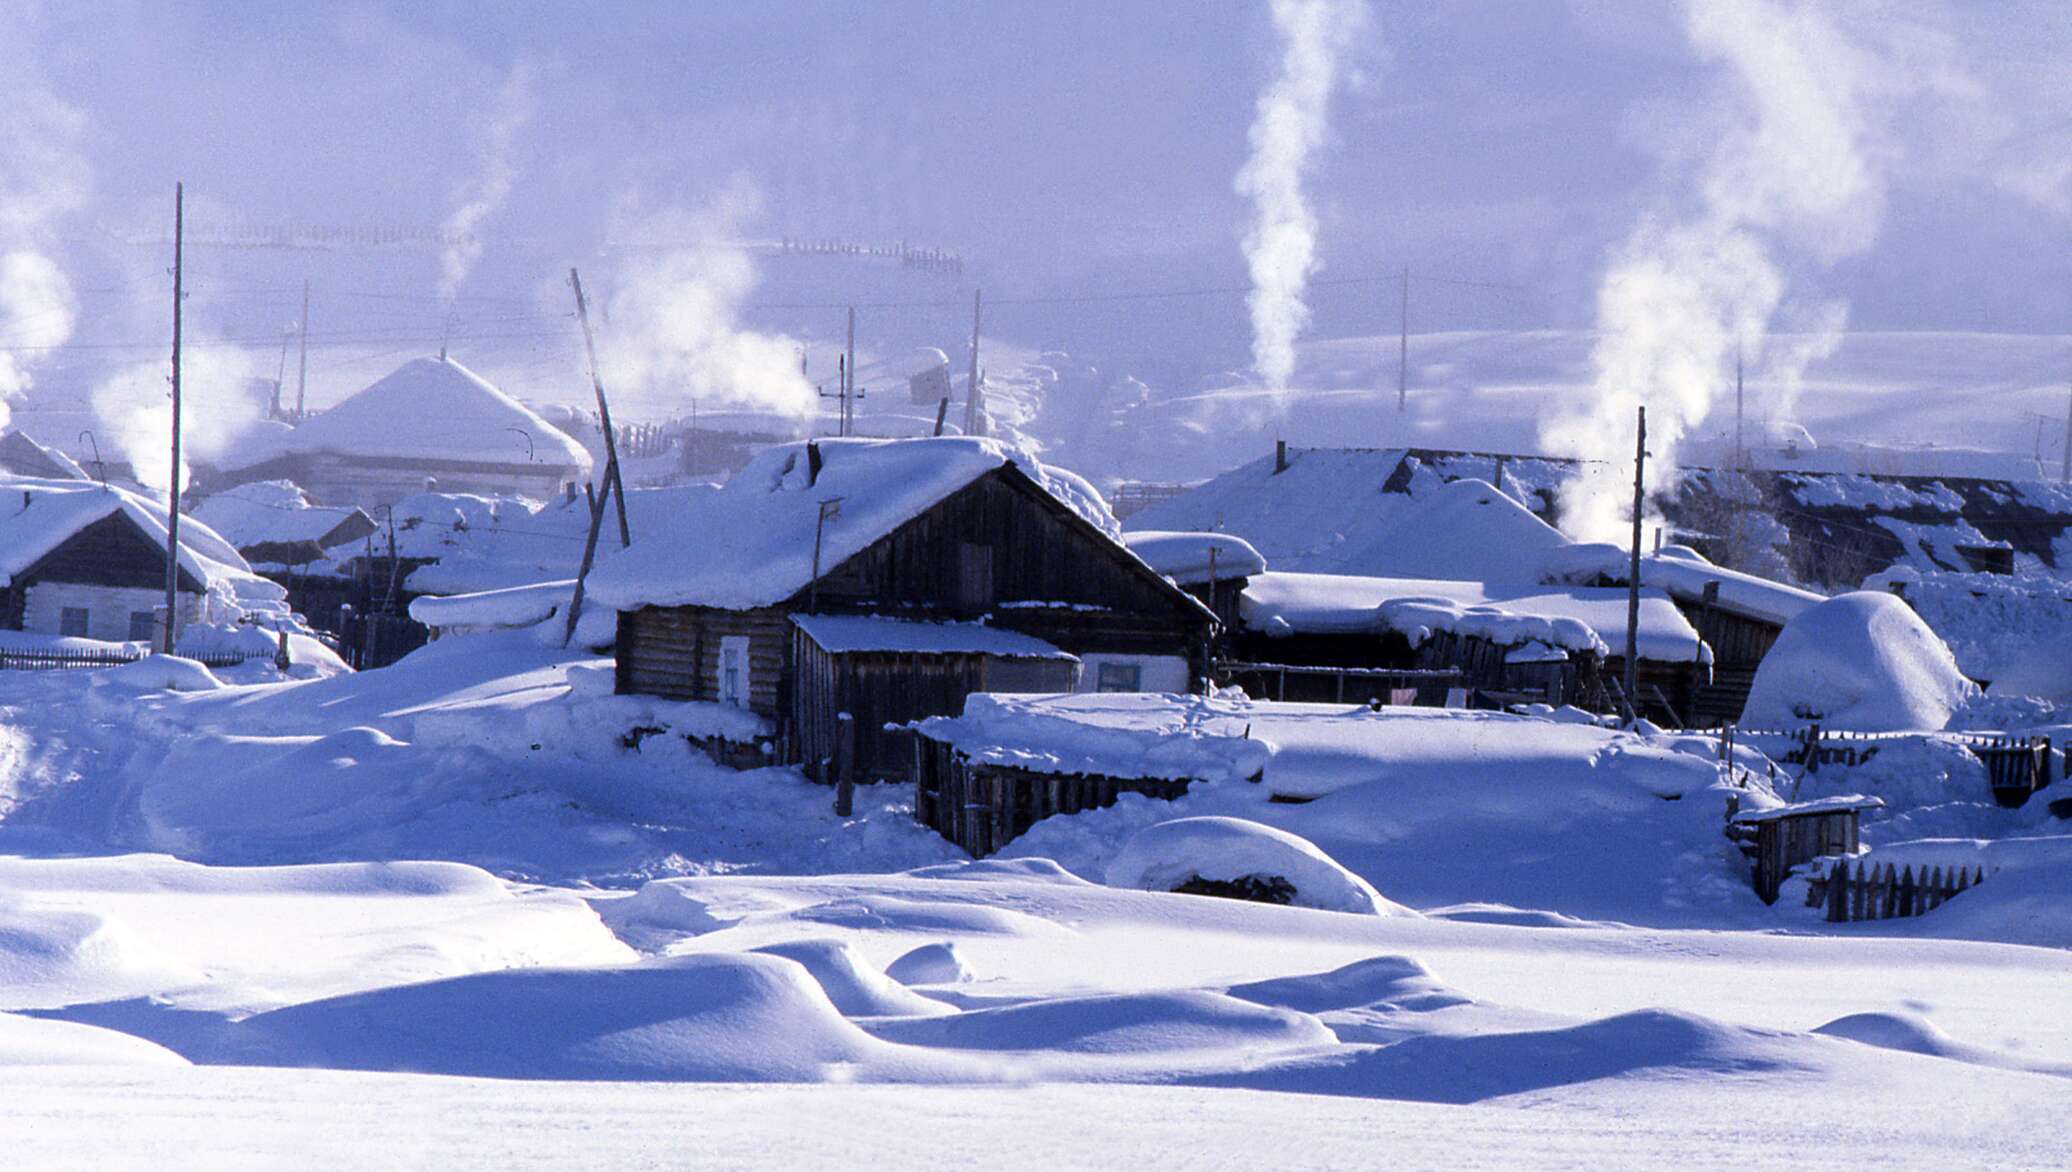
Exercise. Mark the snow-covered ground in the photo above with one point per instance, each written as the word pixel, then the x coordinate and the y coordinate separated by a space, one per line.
pixel 443 913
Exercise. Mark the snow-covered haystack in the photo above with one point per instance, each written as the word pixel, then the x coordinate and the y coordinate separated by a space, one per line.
pixel 1864 662
pixel 1242 858
pixel 156 673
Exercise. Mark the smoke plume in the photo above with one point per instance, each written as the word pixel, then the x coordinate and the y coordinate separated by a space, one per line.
pixel 491 186
pixel 674 332
pixel 223 393
pixel 41 180
pixel 1798 167
pixel 1290 124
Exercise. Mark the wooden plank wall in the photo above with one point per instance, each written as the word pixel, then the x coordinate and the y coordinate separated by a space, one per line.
pixel 984 807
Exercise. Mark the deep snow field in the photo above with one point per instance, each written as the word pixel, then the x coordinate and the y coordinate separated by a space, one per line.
pixel 441 914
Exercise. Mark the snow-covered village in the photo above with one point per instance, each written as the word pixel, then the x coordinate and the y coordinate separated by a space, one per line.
pixel 1309 583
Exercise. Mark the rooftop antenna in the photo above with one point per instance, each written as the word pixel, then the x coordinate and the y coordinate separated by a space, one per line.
pixel 1740 447
pixel 172 514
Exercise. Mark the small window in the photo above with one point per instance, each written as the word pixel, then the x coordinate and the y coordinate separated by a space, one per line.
pixel 72 621
pixel 975 576
pixel 733 670
pixel 1119 677
pixel 143 626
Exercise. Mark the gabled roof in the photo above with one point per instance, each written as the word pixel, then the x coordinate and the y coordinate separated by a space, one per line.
pixel 751 543
pixel 425 409
pixel 272 521
pixel 1317 514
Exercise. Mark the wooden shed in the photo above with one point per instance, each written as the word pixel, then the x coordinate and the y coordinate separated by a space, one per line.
pixel 884 671
pixel 1788 836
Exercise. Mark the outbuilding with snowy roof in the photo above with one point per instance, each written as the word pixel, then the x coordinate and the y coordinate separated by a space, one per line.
pixel 975 563
pixel 431 422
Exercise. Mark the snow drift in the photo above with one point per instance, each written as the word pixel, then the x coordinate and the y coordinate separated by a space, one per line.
pixel 1170 855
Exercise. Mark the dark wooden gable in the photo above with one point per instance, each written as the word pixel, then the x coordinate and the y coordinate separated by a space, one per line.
pixel 1002 539
pixel 112 551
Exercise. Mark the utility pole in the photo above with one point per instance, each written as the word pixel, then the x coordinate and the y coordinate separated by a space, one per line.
pixel 614 483
pixel 848 373
pixel 972 405
pixel 1640 460
pixel 302 367
pixel 1740 445
pixel 172 514
pixel 1403 348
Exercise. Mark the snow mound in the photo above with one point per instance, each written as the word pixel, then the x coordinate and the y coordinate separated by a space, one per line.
pixel 1129 1023
pixel 1395 981
pixel 857 989
pixel 930 964
pixel 29 1041
pixel 1470 1068
pixel 719 1017
pixel 1173 854
pixel 1863 662
pixel 157 673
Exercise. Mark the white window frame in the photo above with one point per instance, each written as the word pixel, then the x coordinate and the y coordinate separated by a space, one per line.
pixel 731 683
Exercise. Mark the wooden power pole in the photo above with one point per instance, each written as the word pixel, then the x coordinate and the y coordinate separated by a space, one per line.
pixel 1640 460
pixel 302 364
pixel 1403 348
pixel 973 407
pixel 848 374
pixel 172 514
pixel 615 485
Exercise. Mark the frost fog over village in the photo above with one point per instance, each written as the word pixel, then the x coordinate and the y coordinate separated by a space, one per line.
pixel 1317 583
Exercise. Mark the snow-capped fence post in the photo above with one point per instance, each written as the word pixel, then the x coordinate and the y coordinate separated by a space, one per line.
pixel 845 764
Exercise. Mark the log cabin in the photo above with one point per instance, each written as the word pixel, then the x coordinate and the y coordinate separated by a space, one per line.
pixel 889 580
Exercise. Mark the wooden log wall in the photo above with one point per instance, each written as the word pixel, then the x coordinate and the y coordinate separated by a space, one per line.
pixel 674 652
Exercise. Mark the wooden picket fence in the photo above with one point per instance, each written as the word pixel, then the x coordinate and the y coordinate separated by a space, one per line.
pixel 1870 892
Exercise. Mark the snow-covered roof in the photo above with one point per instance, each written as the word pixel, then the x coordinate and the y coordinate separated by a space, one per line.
pixel 1838 804
pixel 1322 604
pixel 849 633
pixel 425 409
pixel 1321 513
pixel 1115 734
pixel 38 516
pixel 1465 529
pixel 751 543
pixel 1190 558
pixel 21 455
pixel 518 606
pixel 1572 619
pixel 1683 574
pixel 277 513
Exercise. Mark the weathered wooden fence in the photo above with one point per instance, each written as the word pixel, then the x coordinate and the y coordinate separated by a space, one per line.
pixel 2016 767
pixel 90 659
pixel 1869 892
